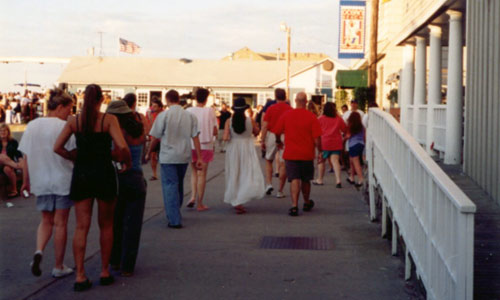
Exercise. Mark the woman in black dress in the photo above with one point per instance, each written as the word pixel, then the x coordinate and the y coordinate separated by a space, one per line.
pixel 94 177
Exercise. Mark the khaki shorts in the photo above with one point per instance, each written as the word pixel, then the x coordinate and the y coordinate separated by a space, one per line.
pixel 272 148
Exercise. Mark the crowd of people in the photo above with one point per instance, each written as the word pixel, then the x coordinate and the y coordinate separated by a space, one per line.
pixel 20 108
pixel 78 159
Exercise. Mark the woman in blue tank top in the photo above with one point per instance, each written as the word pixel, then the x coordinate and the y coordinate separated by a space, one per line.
pixel 129 209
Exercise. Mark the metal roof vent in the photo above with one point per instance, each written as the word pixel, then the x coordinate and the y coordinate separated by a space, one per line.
pixel 185 60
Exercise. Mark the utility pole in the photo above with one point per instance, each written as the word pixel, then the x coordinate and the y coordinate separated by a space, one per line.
pixel 372 58
pixel 100 45
pixel 284 27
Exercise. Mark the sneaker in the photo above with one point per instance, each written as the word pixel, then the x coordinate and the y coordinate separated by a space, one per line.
pixel 269 189
pixel 58 273
pixel 35 264
pixel 280 195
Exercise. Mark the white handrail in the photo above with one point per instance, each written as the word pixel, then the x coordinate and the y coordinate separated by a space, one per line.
pixel 435 218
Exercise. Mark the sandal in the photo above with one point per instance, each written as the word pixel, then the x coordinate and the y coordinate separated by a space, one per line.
pixel 191 204
pixel 317 183
pixel 308 205
pixel 153 178
pixel 350 181
pixel 107 280
pixel 294 211
pixel 240 210
pixel 82 286
pixel 12 195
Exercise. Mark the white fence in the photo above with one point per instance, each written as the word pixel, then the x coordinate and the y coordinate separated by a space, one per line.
pixel 439 126
pixel 434 217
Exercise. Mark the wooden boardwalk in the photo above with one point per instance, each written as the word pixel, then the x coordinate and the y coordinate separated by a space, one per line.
pixel 486 235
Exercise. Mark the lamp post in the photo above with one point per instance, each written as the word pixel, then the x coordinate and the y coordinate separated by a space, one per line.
pixel 284 27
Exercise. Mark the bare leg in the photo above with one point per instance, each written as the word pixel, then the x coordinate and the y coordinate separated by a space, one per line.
pixel 335 161
pixel 202 181
pixel 295 192
pixel 306 190
pixel 351 169
pixel 330 164
pixel 282 172
pixel 194 183
pixel 277 161
pixel 154 163
pixel 105 218
pixel 83 213
pixel 321 172
pixel 60 235
pixel 5 160
pixel 11 174
pixel 44 230
pixel 357 169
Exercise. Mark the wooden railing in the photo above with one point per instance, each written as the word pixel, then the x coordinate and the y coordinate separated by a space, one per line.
pixel 432 215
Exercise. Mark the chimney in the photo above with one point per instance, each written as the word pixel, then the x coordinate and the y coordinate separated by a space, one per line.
pixel 90 51
pixel 278 54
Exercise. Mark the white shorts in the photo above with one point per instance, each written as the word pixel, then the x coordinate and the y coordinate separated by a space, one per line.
pixel 271 148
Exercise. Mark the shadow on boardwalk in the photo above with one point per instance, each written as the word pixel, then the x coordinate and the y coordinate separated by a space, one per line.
pixel 218 256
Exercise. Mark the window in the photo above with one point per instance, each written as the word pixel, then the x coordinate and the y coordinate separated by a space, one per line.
pixel 262 97
pixel 222 97
pixel 142 98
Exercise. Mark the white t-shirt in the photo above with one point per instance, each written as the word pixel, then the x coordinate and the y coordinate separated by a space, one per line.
pixel 348 113
pixel 49 172
pixel 206 123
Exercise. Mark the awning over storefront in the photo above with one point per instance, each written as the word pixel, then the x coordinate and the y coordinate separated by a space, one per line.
pixel 352 78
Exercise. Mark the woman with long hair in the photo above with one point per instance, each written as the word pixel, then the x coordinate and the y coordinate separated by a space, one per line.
pixel 207 125
pixel 244 180
pixel 129 209
pixel 94 177
pixel 10 159
pixel 333 127
pixel 356 142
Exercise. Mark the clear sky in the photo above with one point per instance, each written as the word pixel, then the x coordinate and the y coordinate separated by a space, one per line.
pixel 174 29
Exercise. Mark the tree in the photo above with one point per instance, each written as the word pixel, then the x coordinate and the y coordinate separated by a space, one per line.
pixel 363 95
pixel 341 98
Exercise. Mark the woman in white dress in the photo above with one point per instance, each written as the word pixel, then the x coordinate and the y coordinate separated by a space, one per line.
pixel 244 179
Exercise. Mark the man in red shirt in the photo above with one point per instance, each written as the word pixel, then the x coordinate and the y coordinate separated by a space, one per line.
pixel 302 134
pixel 272 142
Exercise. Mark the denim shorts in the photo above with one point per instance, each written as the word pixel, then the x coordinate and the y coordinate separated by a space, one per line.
pixel 356 150
pixel 53 202
pixel 328 153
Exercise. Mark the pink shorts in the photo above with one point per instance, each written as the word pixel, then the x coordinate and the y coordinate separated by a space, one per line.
pixel 206 155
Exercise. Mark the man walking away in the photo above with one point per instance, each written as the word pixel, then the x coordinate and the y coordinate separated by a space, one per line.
pixel 302 134
pixel 271 141
pixel 175 128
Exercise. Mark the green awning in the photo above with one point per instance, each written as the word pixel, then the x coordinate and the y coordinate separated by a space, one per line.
pixel 352 78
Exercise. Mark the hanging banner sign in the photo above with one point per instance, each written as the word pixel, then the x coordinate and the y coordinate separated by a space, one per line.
pixel 352 29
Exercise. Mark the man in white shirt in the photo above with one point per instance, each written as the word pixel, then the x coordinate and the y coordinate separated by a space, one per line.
pixel 354 107
pixel 48 176
pixel 175 128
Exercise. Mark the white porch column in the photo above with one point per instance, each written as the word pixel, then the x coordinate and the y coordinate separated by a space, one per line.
pixel 407 85
pixel 420 84
pixel 454 97
pixel 434 96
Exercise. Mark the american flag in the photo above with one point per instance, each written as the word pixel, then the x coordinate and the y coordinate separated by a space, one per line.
pixel 129 47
